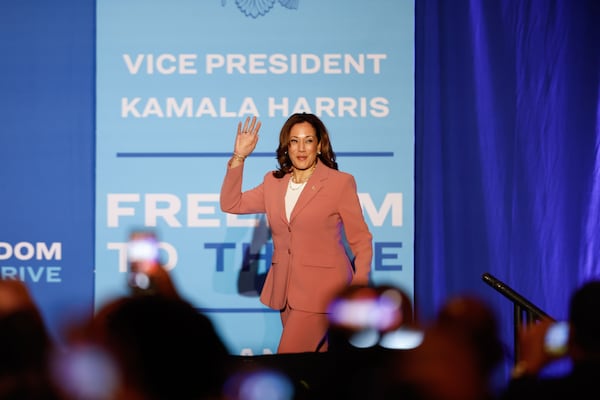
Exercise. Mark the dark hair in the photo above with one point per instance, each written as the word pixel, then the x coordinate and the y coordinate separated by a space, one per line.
pixel 476 320
pixel 155 339
pixel 327 155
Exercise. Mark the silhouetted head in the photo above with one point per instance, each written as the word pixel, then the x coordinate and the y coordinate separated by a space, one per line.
pixel 165 347
pixel 472 317
pixel 25 345
pixel 584 318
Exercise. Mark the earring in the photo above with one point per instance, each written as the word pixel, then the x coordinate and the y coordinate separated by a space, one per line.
pixel 318 152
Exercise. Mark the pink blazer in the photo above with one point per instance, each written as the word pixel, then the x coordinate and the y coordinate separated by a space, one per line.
pixel 309 264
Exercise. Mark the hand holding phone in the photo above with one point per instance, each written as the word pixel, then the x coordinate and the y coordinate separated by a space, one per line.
pixel 556 338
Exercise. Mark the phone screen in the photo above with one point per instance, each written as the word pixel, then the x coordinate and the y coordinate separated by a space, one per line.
pixel 142 255
pixel 557 337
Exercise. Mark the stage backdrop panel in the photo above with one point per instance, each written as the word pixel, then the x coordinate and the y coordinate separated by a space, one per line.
pixel 47 155
pixel 173 81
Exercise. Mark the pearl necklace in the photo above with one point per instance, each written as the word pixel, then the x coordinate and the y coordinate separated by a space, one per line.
pixel 294 185
pixel 303 180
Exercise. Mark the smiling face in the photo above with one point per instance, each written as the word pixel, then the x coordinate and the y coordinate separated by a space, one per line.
pixel 303 146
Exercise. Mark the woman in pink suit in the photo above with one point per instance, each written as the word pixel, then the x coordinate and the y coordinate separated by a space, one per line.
pixel 312 211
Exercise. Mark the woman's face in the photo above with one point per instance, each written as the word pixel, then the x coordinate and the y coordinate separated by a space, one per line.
pixel 303 146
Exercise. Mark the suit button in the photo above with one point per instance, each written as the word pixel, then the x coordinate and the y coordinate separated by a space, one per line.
pixel 289 251
pixel 289 228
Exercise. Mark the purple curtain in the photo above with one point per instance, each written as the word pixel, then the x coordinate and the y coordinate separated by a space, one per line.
pixel 507 151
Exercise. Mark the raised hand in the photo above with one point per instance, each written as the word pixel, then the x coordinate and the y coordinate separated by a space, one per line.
pixel 247 137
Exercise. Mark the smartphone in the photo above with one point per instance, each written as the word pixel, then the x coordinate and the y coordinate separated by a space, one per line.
pixel 403 338
pixel 557 338
pixel 143 254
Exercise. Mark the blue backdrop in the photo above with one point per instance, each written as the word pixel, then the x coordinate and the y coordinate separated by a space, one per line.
pixel 172 84
pixel 47 150
pixel 506 150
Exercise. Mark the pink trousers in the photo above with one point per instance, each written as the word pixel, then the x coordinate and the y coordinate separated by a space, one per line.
pixel 303 331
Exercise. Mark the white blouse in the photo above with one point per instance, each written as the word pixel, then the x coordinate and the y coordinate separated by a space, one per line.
pixel 291 196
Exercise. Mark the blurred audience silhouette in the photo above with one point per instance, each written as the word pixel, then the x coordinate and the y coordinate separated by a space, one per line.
pixel 582 349
pixel 369 326
pixel 26 346
pixel 162 347
pixel 461 348
pixel 154 345
pixel 474 318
